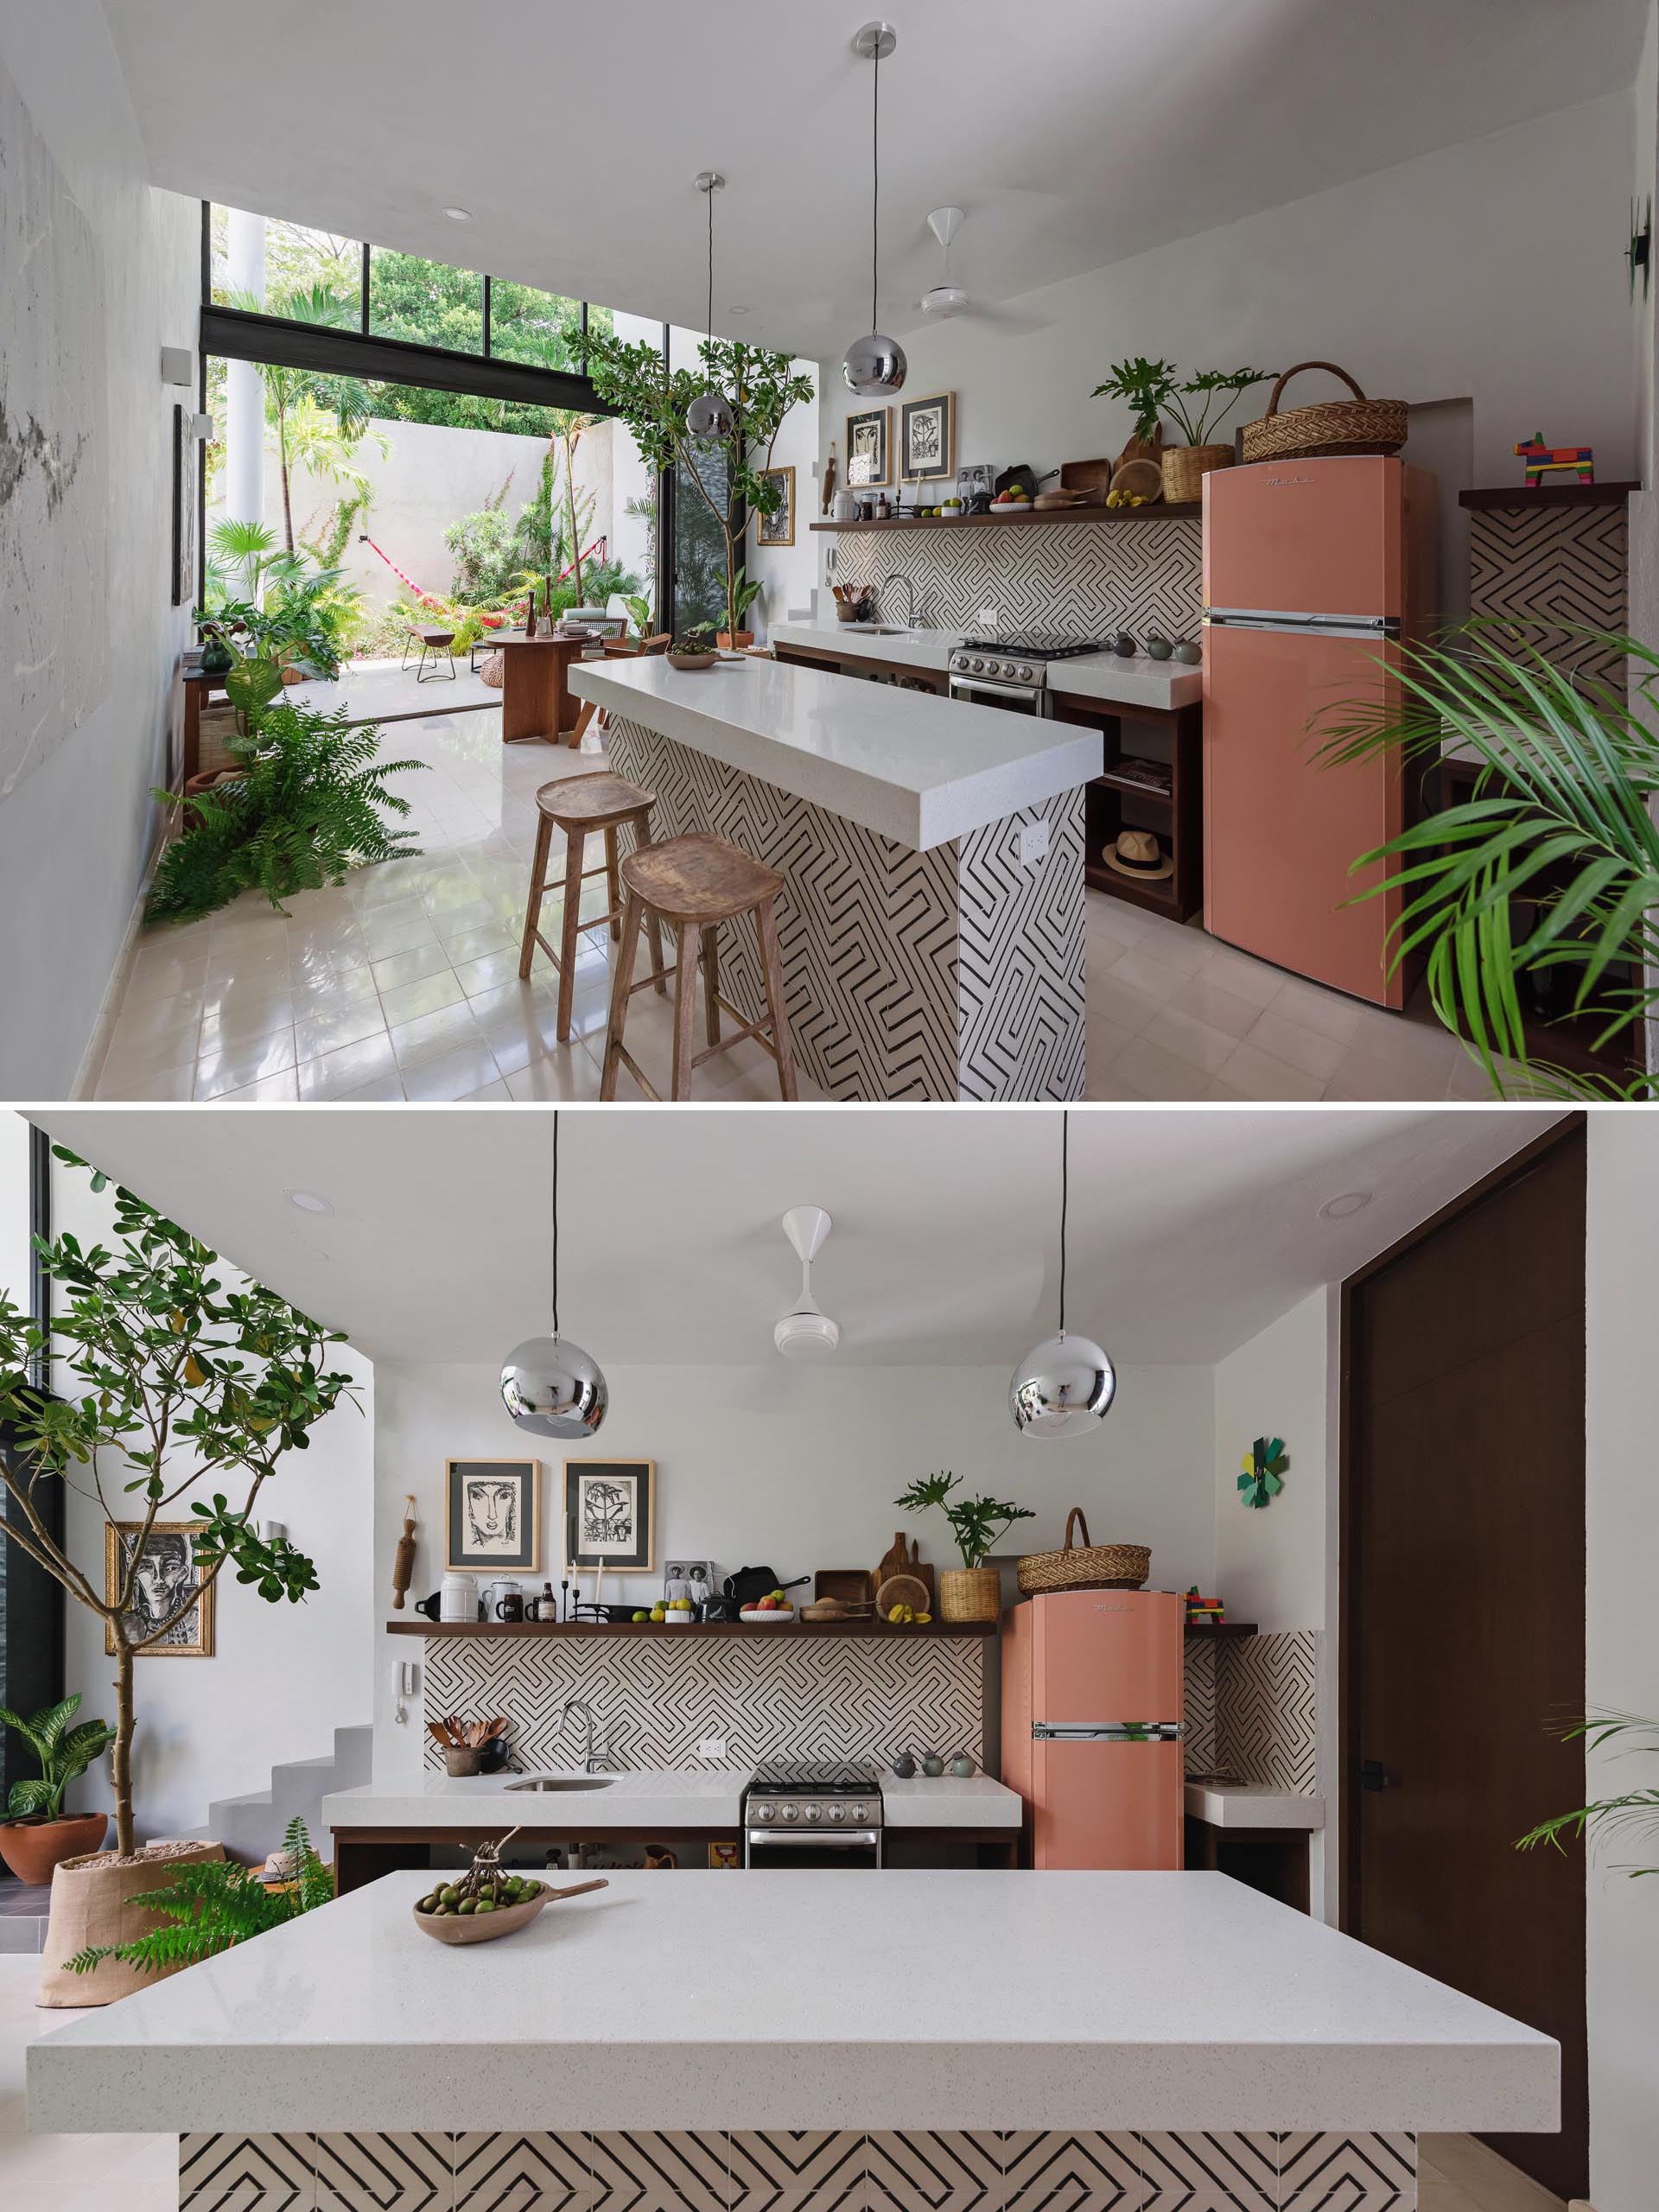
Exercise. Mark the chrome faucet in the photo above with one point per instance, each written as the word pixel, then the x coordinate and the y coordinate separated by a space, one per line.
pixel 593 1758
pixel 910 594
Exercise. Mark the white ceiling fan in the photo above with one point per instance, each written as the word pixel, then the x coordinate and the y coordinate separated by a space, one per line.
pixel 806 1333
pixel 948 298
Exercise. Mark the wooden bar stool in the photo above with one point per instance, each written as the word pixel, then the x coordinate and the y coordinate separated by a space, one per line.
pixel 694 883
pixel 580 805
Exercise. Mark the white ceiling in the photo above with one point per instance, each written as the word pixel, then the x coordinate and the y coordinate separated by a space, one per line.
pixel 1072 132
pixel 1190 1231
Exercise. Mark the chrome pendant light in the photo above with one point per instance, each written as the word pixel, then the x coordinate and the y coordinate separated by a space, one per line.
pixel 709 414
pixel 548 1384
pixel 875 366
pixel 1065 1384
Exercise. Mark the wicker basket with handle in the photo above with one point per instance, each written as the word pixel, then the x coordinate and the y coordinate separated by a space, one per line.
pixel 1084 1565
pixel 1331 426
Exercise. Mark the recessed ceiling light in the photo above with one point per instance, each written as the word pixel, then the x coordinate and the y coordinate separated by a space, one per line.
pixel 1343 1203
pixel 737 310
pixel 307 1202
pixel 459 214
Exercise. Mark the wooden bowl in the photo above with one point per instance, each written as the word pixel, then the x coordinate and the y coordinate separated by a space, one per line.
pixel 692 660
pixel 1146 477
pixel 476 1928
pixel 902 1590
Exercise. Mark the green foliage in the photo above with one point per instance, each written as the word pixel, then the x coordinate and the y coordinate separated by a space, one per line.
pixel 977 1524
pixel 1559 830
pixel 211 1903
pixel 1152 390
pixel 63 1754
pixel 1637 1809
pixel 307 806
pixel 487 555
pixel 639 612
pixel 292 608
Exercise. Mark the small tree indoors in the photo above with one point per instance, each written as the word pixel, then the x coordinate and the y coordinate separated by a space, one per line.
pixel 173 1381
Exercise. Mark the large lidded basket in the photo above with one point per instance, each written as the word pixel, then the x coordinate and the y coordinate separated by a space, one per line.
pixel 1084 1565
pixel 1332 426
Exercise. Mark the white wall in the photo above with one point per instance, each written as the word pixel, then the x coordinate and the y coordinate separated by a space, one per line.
pixel 795 1468
pixel 789 572
pixel 1482 271
pixel 1270 1563
pixel 83 818
pixel 283 1677
pixel 1622 1657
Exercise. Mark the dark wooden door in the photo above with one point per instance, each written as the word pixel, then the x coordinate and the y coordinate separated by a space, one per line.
pixel 1463 1553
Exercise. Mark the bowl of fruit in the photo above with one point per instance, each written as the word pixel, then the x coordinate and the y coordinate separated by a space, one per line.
pixel 669 1612
pixel 487 1901
pixel 770 1610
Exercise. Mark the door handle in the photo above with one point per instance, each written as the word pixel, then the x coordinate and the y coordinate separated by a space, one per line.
pixel 1372 1776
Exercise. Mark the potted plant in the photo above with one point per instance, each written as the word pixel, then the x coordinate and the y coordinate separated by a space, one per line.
pixel 974 1591
pixel 37 1834
pixel 726 473
pixel 213 1903
pixel 748 591
pixel 175 1383
pixel 1196 408
pixel 1633 1810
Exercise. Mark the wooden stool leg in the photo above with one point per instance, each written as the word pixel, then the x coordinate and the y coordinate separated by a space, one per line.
pixel 711 983
pixel 537 885
pixel 573 841
pixel 587 715
pixel 640 824
pixel 685 1000
pixel 612 884
pixel 771 966
pixel 621 984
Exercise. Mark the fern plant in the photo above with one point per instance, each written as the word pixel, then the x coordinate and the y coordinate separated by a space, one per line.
pixel 211 1903
pixel 308 805
pixel 64 1754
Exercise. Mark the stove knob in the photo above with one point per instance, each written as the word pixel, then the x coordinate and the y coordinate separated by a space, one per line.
pixel 977 666
pixel 1025 675
pixel 858 1813
pixel 788 1812
pixel 763 1813
pixel 837 1813
pixel 812 1813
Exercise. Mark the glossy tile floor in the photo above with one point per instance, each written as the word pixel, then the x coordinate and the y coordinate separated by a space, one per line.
pixel 404 984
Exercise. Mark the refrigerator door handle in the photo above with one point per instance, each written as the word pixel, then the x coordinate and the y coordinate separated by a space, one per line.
pixel 1288 624
pixel 1106 1731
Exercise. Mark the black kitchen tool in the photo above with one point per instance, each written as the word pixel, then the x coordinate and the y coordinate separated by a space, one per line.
pixel 752 1582
pixel 718 1608
pixel 1025 477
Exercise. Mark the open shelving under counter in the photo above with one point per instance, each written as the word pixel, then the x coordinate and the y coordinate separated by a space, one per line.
pixel 693 1629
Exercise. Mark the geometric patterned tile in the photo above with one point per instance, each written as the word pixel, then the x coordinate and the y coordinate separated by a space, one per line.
pixel 789 2169
pixel 370 2171
pixel 1199 1751
pixel 1267 1709
pixel 1347 2173
pixel 1554 573
pixel 1052 2171
pixel 247 2173
pixel 927 2169
pixel 657 2171
pixel 1211 2172
pixel 531 2172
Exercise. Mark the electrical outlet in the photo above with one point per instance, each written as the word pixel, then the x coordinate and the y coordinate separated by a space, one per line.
pixel 711 1747
pixel 988 617
pixel 1031 841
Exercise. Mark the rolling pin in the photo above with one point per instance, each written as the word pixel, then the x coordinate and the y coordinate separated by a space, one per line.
pixel 402 1566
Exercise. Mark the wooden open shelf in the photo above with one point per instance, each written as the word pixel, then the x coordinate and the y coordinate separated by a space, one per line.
pixel 1550 495
pixel 1220 1635
pixel 1153 512
pixel 694 1629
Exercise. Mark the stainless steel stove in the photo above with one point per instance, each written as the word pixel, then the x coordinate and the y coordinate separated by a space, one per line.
pixel 1012 672
pixel 820 1814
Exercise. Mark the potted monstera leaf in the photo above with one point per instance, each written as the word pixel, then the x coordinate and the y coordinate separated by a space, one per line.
pixel 37 1834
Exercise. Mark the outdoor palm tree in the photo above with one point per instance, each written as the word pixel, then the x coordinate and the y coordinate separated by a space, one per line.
pixel 1550 871
pixel 291 393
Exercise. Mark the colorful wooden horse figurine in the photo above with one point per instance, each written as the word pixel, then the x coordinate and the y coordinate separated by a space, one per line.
pixel 1545 463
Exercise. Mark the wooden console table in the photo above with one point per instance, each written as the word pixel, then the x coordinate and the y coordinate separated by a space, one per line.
pixel 536 701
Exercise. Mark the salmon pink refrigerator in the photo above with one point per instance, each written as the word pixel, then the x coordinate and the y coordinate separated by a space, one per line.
pixel 1092 1726
pixel 1315 573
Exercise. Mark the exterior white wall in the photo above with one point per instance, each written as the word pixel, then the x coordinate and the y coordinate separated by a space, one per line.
pixel 1483 272
pixel 795 1468
pixel 86 810
pixel 283 1677
pixel 1621 1658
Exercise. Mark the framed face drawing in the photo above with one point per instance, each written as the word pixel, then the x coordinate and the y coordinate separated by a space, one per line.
pixel 778 527
pixel 494 1514
pixel 927 437
pixel 167 1577
pixel 868 459
pixel 610 1515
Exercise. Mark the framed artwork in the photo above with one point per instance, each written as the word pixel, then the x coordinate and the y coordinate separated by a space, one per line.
pixel 927 437
pixel 610 1518
pixel 869 459
pixel 494 1514
pixel 167 1570
pixel 778 527
pixel 184 510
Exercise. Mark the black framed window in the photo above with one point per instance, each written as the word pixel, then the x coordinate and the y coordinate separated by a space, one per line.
pixel 31 1601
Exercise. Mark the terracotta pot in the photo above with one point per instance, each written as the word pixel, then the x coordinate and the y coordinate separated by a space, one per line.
pixel 969 1593
pixel 727 643
pixel 33 1849
pixel 1184 469
pixel 92 1905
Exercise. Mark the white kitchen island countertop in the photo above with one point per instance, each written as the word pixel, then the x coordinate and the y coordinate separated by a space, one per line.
pixel 912 767
pixel 804 1999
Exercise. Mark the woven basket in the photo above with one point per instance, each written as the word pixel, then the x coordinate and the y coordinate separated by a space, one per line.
pixel 969 1593
pixel 1333 425
pixel 492 671
pixel 1084 1565
pixel 1185 468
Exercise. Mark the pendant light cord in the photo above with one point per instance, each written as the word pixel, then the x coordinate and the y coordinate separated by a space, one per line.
pixel 1065 1162
pixel 555 1221
pixel 875 177
pixel 709 327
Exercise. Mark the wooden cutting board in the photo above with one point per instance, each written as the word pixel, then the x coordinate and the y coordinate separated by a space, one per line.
pixel 904 1557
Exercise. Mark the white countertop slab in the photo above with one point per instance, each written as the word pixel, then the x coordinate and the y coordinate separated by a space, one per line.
pixel 1252 1805
pixel 914 768
pixel 800 1999
pixel 1110 677
pixel 703 1797
pixel 948 1801
pixel 910 648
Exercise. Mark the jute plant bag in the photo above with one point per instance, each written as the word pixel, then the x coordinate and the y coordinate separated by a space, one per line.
pixel 90 1906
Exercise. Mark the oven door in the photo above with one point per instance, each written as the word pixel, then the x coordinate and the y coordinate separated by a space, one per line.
pixel 1012 698
pixel 847 1847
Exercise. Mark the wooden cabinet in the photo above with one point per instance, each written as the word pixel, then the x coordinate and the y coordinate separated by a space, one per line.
pixel 1170 742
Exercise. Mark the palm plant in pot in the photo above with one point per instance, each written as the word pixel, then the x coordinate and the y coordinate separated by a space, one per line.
pixel 1196 408
pixel 177 1383
pixel 37 1835
pixel 974 1591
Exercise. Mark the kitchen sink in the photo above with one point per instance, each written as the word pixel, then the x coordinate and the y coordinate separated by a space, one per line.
pixel 563 1782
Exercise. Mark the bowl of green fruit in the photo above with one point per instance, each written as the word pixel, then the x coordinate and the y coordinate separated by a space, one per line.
pixel 487 1900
